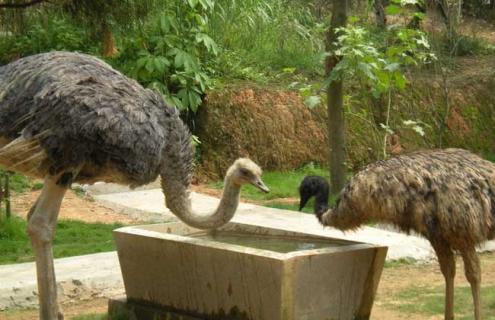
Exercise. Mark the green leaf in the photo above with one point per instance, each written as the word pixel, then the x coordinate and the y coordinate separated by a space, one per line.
pixel 141 62
pixel 419 15
pixel 312 101
pixel 150 66
pixel 192 3
pixel 289 70
pixel 207 4
pixel 208 42
pixel 161 64
pixel 164 24
pixel 194 101
pixel 366 69
pixel 391 67
pixel 400 80
pixel 195 140
pixel 393 9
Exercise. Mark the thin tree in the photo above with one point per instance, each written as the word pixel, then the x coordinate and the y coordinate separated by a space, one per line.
pixel 335 101
pixel 380 16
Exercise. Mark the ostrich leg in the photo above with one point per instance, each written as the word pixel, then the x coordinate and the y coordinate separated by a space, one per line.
pixel 473 275
pixel 41 229
pixel 446 259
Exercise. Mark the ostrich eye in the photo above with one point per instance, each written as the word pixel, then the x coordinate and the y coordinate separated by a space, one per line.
pixel 244 172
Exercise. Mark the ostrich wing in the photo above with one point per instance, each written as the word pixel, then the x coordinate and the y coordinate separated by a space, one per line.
pixel 80 112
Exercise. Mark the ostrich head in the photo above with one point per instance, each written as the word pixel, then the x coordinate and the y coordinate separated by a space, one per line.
pixel 245 171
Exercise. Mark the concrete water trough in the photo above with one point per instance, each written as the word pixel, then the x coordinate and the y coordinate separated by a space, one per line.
pixel 172 271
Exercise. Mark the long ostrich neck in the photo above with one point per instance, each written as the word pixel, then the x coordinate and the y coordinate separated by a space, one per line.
pixel 177 199
pixel 176 171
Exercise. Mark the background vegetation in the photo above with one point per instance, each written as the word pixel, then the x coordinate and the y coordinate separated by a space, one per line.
pixel 390 60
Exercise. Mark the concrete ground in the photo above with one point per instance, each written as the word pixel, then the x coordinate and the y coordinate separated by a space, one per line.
pixel 99 274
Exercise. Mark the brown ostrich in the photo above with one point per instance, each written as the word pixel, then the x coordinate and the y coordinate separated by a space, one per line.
pixel 68 117
pixel 448 196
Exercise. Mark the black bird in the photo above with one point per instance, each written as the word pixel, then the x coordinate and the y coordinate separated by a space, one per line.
pixel 314 186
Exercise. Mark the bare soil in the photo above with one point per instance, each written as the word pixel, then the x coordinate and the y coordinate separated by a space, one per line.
pixel 74 207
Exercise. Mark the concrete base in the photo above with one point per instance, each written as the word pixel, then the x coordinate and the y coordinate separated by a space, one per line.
pixel 170 265
pixel 119 309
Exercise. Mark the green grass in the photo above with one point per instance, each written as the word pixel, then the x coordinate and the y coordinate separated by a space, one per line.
pixel 490 157
pixel 281 184
pixel 400 262
pixel 430 301
pixel 19 183
pixel 72 238
pixel 37 186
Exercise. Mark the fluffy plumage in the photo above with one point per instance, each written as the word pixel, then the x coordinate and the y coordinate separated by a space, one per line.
pixel 440 193
pixel 448 196
pixel 75 110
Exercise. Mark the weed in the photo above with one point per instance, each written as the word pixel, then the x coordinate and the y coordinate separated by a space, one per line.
pixel 467 46
pixel 19 183
pixel 37 186
pixel 490 157
pixel 79 191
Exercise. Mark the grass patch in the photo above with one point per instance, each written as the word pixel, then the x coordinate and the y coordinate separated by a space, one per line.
pixel 430 301
pixel 37 186
pixel 72 238
pixel 295 207
pixel 407 261
pixel 490 157
pixel 79 191
pixel 281 184
pixel 19 183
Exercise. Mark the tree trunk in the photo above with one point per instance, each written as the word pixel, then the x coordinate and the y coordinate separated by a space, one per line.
pixel 108 41
pixel 335 102
pixel 379 110
pixel 381 17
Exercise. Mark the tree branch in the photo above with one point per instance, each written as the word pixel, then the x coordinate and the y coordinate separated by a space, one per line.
pixel 20 5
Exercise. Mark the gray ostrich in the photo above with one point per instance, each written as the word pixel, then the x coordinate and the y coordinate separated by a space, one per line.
pixel 448 196
pixel 68 117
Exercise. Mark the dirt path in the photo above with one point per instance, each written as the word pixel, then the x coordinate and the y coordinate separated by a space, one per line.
pixel 74 207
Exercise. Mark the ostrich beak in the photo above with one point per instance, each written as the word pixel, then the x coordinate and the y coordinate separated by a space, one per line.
pixel 260 185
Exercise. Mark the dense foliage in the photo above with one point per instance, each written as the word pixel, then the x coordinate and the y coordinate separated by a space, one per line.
pixel 185 48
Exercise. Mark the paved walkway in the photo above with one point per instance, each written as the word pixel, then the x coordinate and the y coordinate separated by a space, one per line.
pixel 99 274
